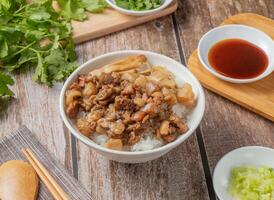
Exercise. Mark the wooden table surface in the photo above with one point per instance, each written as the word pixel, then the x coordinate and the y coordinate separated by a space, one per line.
pixel 185 172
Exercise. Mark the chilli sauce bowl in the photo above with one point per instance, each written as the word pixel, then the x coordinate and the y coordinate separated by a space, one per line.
pixel 246 33
pixel 182 74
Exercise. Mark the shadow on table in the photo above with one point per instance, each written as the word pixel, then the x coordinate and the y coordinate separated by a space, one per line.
pixel 4 103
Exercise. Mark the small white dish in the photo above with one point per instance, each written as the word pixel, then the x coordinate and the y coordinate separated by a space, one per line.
pixel 182 75
pixel 138 13
pixel 249 34
pixel 250 156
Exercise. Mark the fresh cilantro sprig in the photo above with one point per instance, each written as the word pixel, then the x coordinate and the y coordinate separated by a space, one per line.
pixel 75 9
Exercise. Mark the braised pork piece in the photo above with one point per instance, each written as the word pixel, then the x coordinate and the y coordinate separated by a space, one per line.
pixel 123 102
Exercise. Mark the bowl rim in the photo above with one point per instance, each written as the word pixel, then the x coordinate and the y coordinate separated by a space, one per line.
pixel 96 146
pixel 229 153
pixel 210 69
pixel 164 4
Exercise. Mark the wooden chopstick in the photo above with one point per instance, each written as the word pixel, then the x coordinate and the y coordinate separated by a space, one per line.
pixel 55 189
pixel 42 176
pixel 51 179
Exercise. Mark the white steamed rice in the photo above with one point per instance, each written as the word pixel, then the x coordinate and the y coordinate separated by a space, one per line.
pixel 148 142
pixel 100 139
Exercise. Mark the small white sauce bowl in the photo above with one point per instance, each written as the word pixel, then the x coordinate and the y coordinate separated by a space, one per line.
pixel 182 75
pixel 245 156
pixel 112 4
pixel 249 34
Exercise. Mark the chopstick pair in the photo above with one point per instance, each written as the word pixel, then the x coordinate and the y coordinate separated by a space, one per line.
pixel 55 189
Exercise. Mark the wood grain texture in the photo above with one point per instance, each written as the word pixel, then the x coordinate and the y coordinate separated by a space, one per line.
pixel 110 21
pixel 177 175
pixel 226 125
pixel 258 96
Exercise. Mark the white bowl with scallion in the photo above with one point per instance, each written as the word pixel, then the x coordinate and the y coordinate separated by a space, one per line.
pixel 246 173
pixel 139 8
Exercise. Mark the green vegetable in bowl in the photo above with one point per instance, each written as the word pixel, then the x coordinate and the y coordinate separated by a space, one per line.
pixel 139 5
pixel 251 183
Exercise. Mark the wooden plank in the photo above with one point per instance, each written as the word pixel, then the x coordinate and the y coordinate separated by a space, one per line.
pixel 226 125
pixel 110 21
pixel 177 175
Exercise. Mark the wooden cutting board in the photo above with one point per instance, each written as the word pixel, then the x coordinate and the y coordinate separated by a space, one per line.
pixel 110 21
pixel 257 96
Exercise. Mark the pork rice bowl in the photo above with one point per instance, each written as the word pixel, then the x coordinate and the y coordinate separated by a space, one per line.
pixel 130 105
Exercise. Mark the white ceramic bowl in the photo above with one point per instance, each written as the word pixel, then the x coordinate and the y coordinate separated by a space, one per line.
pixel 247 33
pixel 182 74
pixel 249 155
pixel 138 13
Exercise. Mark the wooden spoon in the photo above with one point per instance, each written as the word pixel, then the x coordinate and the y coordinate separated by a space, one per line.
pixel 18 181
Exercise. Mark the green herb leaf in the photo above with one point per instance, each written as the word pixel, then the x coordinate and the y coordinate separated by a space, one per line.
pixel 5 80
pixel 95 6
pixel 3 48
pixel 75 9
pixel 72 9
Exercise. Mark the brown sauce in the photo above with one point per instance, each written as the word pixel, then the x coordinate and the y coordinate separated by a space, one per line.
pixel 237 58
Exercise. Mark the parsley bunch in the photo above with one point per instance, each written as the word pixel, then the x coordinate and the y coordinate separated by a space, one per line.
pixel 34 35
pixel 38 37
